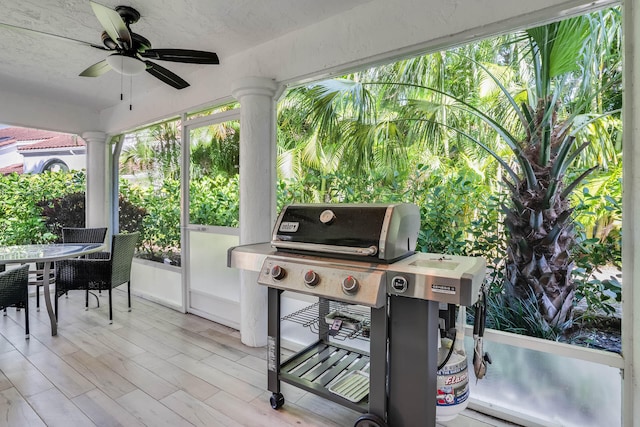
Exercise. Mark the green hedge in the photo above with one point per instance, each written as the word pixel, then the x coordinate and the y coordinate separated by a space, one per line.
pixel 20 215
pixel 459 214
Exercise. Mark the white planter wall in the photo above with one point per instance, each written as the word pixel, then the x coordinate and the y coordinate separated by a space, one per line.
pixel 213 288
pixel 157 282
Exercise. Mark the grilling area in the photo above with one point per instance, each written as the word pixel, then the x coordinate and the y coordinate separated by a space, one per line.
pixel 323 314
pixel 354 257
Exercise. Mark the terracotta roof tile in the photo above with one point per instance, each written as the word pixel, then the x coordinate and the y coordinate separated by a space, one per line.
pixel 45 139
pixel 27 134
pixel 7 141
pixel 11 168
pixel 61 141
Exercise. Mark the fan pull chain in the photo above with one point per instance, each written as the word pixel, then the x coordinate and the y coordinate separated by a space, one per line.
pixel 121 80
pixel 130 92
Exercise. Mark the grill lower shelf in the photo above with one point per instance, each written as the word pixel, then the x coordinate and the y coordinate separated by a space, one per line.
pixel 323 365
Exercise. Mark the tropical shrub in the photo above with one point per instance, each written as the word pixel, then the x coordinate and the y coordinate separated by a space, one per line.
pixel 214 201
pixel 21 219
pixel 64 211
pixel 69 211
pixel 160 235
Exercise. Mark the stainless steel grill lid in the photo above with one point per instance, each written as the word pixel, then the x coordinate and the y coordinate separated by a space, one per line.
pixel 384 232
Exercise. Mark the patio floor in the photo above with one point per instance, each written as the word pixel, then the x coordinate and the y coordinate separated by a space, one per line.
pixel 153 366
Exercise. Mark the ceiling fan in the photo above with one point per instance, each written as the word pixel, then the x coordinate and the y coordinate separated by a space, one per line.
pixel 131 51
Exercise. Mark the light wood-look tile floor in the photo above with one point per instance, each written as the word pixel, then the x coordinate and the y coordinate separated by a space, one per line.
pixel 152 367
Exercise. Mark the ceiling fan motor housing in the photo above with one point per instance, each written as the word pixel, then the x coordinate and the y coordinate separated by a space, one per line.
pixel 129 15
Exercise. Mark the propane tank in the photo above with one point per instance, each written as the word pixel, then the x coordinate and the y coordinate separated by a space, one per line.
pixel 452 395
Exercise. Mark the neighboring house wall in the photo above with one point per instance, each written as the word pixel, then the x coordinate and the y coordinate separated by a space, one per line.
pixel 9 154
pixel 27 150
pixel 35 161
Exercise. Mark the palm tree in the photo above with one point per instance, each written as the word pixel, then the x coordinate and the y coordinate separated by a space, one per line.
pixel 166 140
pixel 539 220
pixel 156 150
pixel 558 93
pixel 549 99
pixel 215 149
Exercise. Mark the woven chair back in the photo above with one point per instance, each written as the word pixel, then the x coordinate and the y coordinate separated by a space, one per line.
pixel 13 287
pixel 84 235
pixel 122 249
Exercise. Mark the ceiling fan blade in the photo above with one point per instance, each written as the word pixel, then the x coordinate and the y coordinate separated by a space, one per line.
pixel 97 69
pixel 165 75
pixel 54 36
pixel 182 55
pixel 113 24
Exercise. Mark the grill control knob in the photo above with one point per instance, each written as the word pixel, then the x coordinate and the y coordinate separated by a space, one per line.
pixel 350 285
pixel 311 278
pixel 278 273
pixel 399 284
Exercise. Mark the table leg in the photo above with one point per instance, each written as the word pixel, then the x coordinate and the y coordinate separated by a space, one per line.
pixel 47 298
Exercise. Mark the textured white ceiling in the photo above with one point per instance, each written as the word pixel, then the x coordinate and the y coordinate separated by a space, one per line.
pixel 38 65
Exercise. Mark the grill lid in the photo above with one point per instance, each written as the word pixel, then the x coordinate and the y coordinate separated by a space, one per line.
pixel 384 232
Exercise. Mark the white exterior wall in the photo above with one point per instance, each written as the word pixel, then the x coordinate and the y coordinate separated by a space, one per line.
pixel 33 160
pixel 9 156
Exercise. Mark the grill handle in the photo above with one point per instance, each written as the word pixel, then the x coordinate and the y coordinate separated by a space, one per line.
pixel 329 249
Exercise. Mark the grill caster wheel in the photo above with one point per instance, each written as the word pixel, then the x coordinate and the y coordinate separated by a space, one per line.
pixel 370 420
pixel 276 400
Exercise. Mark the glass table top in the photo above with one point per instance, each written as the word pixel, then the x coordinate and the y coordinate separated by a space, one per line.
pixel 45 252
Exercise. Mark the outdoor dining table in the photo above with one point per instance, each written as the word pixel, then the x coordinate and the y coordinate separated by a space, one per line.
pixel 46 253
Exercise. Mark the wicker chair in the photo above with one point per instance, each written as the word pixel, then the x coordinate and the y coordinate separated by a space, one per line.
pixel 98 274
pixel 14 291
pixel 72 235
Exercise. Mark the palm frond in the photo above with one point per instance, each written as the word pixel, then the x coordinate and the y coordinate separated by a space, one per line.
pixel 569 189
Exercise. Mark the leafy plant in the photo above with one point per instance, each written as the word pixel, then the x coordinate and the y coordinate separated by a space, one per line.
pixel 20 216
pixel 70 211
pixel 520 316
pixel 64 211
pixel 214 201
pixel 160 239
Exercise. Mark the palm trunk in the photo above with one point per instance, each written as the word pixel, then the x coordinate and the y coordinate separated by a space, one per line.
pixel 541 236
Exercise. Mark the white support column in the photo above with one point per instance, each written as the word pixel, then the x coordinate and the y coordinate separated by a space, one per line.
pixel 257 194
pixel 97 201
pixel 631 212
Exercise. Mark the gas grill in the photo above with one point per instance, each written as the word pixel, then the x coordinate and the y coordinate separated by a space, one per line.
pixel 371 287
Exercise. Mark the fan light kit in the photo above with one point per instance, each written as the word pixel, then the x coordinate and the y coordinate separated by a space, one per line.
pixel 126 65
pixel 131 51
